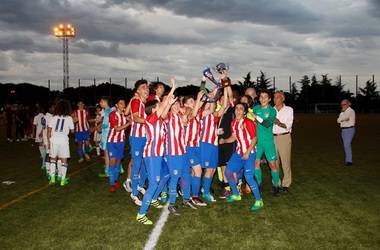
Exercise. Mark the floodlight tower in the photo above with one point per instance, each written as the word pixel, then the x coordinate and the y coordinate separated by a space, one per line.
pixel 65 32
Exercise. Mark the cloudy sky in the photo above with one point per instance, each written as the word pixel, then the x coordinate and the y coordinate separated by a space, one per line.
pixel 149 38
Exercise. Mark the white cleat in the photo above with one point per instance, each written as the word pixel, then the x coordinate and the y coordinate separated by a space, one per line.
pixel 127 186
pixel 141 190
pixel 136 200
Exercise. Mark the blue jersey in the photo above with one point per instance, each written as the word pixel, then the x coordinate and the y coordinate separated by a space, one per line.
pixel 106 114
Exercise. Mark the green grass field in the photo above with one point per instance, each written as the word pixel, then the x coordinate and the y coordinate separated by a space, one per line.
pixel 330 206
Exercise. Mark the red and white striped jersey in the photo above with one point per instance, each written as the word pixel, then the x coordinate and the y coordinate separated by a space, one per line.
pixel 193 130
pixel 155 136
pixel 209 127
pixel 82 120
pixel 175 139
pixel 116 120
pixel 244 131
pixel 137 129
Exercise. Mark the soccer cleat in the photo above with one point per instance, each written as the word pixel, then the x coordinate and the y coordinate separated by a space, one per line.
pixel 87 157
pixel 136 200
pixel 233 197
pixel 52 180
pixel 189 204
pixel 80 160
pixel 164 197
pixel 141 190
pixel 127 186
pixel 103 175
pixel 225 194
pixel 143 219
pixel 258 205
pixel 156 204
pixel 173 210
pixel 117 185
pixel 64 181
pixel 208 198
pixel 112 189
pixel 285 190
pixel 198 202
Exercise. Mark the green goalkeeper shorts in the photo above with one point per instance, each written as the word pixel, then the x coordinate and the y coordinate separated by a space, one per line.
pixel 269 149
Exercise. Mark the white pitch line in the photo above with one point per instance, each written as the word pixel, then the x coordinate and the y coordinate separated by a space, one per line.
pixel 157 230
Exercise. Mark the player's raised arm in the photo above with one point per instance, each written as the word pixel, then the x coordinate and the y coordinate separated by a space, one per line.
pixel 224 103
pixel 198 104
pixel 168 101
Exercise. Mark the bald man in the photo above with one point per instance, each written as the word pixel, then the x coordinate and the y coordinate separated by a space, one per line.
pixel 282 130
pixel 346 121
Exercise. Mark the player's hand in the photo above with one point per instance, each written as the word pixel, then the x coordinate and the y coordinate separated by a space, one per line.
pixel 172 100
pixel 200 94
pixel 173 82
pixel 221 141
pixel 245 156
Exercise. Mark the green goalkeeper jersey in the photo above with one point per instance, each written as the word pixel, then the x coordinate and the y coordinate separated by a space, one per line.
pixel 265 119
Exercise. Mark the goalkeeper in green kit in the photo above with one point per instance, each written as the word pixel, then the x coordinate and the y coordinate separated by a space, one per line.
pixel 265 116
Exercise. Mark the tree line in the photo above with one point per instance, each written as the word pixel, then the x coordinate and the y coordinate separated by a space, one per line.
pixel 313 90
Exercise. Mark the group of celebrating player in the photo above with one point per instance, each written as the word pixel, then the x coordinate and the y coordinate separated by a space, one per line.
pixel 175 143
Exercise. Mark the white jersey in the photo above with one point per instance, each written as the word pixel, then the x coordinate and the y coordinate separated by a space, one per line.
pixel 60 127
pixel 47 118
pixel 40 122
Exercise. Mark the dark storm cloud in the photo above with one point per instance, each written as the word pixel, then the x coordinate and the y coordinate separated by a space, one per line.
pixel 375 8
pixel 17 42
pixel 286 13
pixel 92 22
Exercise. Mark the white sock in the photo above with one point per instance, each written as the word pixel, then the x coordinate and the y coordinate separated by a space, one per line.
pixel 59 167
pixel 63 170
pixel 97 150
pixel 47 165
pixel 52 167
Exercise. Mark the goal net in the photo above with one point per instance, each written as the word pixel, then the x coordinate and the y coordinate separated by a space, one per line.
pixel 326 108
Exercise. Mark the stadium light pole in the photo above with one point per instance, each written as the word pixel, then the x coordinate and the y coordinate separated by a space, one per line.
pixel 65 32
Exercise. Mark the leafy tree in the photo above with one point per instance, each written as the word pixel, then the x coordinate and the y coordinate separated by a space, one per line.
pixel 248 82
pixel 314 80
pixel 263 82
pixel 369 90
pixel 325 80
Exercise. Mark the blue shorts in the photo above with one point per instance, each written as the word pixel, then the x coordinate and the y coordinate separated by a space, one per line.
pixel 209 155
pixel 82 136
pixel 115 150
pixel 236 162
pixel 193 155
pixel 103 140
pixel 176 163
pixel 137 146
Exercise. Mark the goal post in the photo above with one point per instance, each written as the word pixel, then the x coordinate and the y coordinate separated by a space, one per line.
pixel 324 107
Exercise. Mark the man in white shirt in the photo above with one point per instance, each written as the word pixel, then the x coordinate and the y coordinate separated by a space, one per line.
pixel 282 138
pixel 346 120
